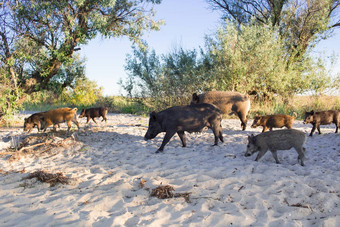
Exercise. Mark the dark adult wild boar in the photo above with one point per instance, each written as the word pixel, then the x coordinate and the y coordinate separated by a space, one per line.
pixel 228 102
pixel 60 115
pixel 191 118
pixel 32 121
pixel 277 140
pixel 273 121
pixel 91 113
pixel 322 118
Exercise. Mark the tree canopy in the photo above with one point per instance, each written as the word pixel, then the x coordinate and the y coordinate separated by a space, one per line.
pixel 38 37
pixel 301 23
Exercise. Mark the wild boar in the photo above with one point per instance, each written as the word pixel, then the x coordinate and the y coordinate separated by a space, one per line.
pixel 60 115
pixel 277 140
pixel 228 102
pixel 34 120
pixel 190 118
pixel 273 121
pixel 322 118
pixel 91 113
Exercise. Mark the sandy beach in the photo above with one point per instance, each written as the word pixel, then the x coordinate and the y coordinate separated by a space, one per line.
pixel 112 170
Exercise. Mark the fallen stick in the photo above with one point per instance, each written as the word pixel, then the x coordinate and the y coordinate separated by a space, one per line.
pixel 32 146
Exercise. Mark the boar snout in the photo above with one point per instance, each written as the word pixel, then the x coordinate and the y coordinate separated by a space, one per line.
pixel 247 154
pixel 149 136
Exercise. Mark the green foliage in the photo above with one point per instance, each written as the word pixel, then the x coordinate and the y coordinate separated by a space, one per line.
pixel 301 24
pixel 38 38
pixel 169 79
pixel 119 104
pixel 83 93
pixel 10 99
pixel 252 59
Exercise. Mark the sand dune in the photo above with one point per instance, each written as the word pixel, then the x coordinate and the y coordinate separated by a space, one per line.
pixel 106 163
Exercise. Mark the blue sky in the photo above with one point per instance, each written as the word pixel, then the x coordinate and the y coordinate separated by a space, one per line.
pixel 186 24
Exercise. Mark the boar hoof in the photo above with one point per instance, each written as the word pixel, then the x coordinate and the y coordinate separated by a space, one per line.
pixel 159 151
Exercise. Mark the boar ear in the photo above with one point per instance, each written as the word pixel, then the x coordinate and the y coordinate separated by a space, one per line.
pixel 252 138
pixel 153 115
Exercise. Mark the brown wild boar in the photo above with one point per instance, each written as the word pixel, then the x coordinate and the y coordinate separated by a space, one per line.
pixel 284 139
pixel 34 120
pixel 60 115
pixel 91 113
pixel 190 118
pixel 273 121
pixel 228 102
pixel 322 118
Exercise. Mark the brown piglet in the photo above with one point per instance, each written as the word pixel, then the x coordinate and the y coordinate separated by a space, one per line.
pixel 322 118
pixel 273 121
pixel 34 120
pixel 59 115
pixel 92 113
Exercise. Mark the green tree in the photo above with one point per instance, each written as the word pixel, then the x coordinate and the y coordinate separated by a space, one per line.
pixel 301 23
pixel 251 59
pixel 84 92
pixel 169 79
pixel 144 69
pixel 42 35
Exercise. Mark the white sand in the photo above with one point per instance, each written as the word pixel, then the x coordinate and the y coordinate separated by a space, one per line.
pixel 108 161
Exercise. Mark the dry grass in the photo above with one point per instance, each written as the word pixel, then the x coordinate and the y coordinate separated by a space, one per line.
pixel 38 144
pixel 297 104
pixel 52 179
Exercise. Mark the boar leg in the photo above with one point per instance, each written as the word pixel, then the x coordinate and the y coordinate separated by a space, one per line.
pixel 313 129
pixel 182 137
pixel 301 152
pixel 94 120
pixel 217 135
pixel 76 122
pixel 167 137
pixel 104 119
pixel 221 136
pixel 264 129
pixel 88 119
pixel 274 153
pixel 38 126
pixel 243 119
pixel 48 123
pixel 260 154
pixel 318 127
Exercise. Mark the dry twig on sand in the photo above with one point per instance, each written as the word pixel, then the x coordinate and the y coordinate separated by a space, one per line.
pixel 165 192
pixel 50 178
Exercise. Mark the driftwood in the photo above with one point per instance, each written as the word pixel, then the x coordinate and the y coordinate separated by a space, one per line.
pixel 32 146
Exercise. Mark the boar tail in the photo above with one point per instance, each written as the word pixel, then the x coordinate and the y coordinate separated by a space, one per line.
pixel 295 114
